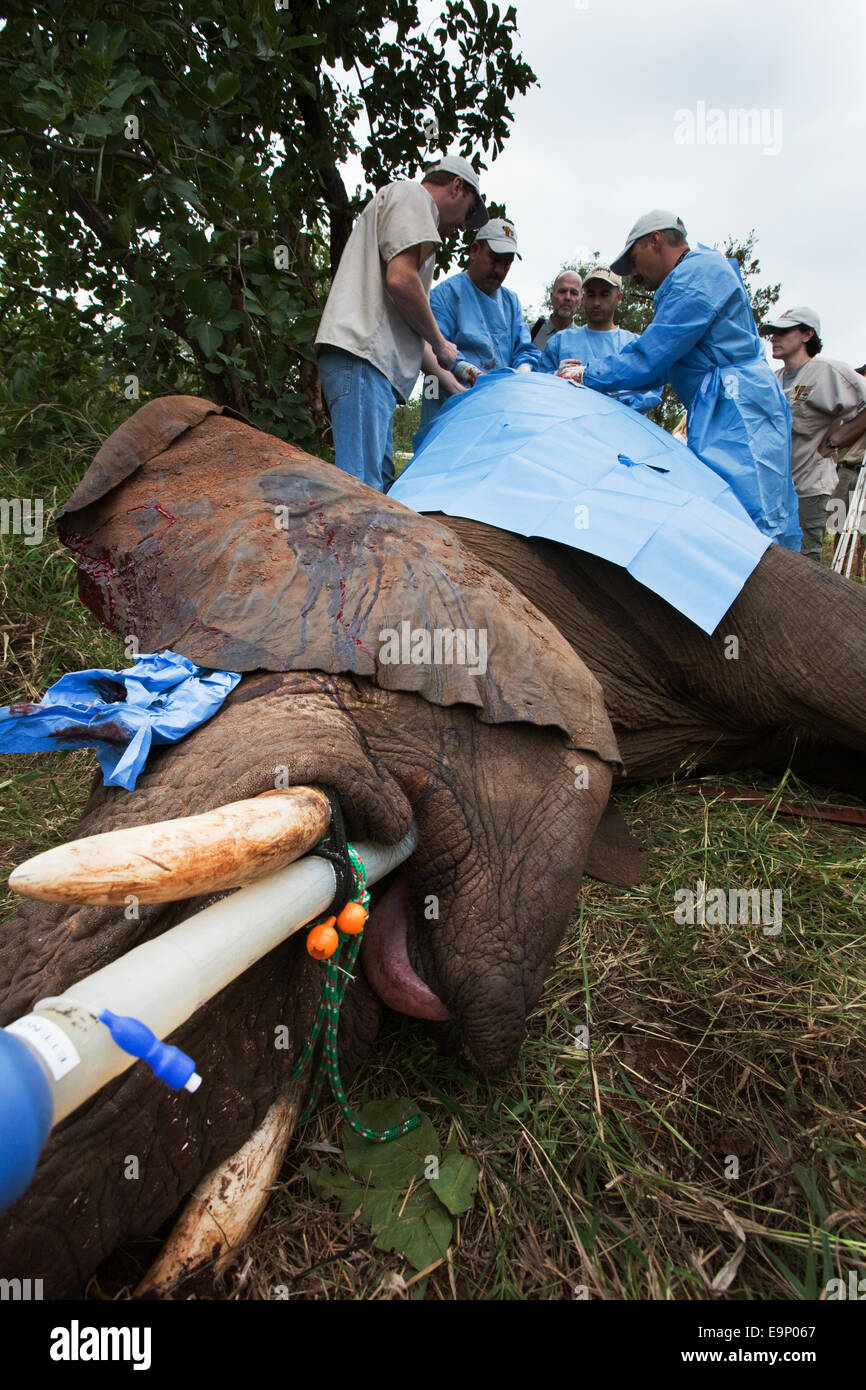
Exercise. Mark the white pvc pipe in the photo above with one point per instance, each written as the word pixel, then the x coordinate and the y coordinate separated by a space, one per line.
pixel 163 982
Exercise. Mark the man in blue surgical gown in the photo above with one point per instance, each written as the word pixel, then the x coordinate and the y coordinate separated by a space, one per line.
pixel 703 340
pixel 602 292
pixel 484 319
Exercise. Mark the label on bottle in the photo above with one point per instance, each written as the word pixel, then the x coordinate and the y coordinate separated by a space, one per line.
pixel 48 1039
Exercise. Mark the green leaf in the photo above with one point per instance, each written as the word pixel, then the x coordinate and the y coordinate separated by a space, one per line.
pixel 223 88
pixel 327 1182
pixel 420 1229
pixel 219 299
pixel 194 290
pixel 139 297
pixel 302 40
pixel 207 299
pixel 394 1164
pixel 206 335
pixel 97 36
pixel 198 246
pixel 121 94
pixel 417 1226
pixel 181 188
pixel 230 320
pixel 99 126
pixel 40 108
pixel 457 1182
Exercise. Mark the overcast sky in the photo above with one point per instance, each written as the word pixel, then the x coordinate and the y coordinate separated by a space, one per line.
pixel 594 146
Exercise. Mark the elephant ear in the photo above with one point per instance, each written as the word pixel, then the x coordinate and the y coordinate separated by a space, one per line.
pixel 197 532
pixel 615 855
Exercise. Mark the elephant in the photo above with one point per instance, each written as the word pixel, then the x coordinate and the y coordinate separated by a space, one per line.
pixel 195 532
pixel 198 533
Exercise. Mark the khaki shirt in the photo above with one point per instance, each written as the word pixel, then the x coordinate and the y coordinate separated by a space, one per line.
pixel 545 332
pixel 822 391
pixel 360 315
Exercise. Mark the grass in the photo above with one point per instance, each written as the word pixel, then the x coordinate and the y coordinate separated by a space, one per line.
pixel 710 1141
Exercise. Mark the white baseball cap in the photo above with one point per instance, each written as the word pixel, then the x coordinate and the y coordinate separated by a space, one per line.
pixel 659 220
pixel 603 272
pixel 800 317
pixel 501 237
pixel 456 164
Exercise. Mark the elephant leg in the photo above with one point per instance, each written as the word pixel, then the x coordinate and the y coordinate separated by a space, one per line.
pixel 802 658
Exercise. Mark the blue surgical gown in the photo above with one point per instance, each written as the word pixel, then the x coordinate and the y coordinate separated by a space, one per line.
pixel 588 345
pixel 703 340
pixel 489 330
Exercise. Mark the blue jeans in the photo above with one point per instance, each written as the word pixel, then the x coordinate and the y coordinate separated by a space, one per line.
pixel 361 401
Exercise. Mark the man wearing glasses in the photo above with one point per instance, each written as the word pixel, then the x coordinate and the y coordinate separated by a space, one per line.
pixel 703 340
pixel 828 406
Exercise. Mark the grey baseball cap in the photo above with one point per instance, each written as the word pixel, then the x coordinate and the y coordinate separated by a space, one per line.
pixel 659 220
pixel 800 316
pixel 456 164
pixel 501 237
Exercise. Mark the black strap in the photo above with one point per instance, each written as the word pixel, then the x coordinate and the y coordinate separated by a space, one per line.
pixel 335 848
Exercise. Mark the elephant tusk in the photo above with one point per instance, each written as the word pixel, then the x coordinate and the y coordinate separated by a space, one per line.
pixel 169 860
pixel 222 1211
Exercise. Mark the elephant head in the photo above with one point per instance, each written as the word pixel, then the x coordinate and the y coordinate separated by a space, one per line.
pixel 196 532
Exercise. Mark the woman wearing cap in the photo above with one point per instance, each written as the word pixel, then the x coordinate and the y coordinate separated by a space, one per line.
pixel 822 393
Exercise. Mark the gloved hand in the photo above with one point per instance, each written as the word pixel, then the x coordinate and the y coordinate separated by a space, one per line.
pixel 572 369
pixel 466 372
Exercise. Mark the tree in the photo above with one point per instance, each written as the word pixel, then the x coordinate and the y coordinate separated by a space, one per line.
pixel 175 170
pixel 636 310
pixel 761 297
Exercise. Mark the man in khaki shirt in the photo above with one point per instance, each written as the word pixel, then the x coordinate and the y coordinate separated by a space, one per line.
pixel 565 296
pixel 377 329
pixel 828 412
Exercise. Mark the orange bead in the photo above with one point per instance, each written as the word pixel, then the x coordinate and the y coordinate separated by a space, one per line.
pixel 351 920
pixel 323 940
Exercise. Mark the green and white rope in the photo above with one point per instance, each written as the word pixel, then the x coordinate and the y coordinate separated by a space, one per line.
pixel 337 974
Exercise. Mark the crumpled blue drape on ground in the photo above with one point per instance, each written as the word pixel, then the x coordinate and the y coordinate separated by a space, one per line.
pixel 120 713
pixel 534 455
